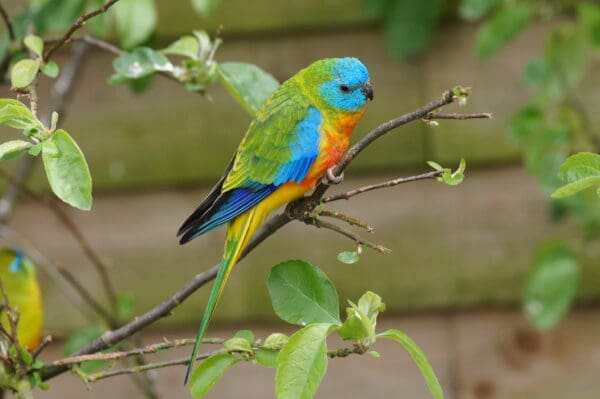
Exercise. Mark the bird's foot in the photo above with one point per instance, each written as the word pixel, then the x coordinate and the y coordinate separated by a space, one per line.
pixel 330 178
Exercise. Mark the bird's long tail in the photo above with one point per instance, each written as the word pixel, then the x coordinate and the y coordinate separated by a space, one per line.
pixel 239 233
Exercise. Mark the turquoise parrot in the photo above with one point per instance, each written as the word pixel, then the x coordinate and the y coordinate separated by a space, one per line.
pixel 20 284
pixel 299 133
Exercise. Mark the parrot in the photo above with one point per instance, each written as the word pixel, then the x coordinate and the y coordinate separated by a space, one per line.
pixel 18 277
pixel 297 135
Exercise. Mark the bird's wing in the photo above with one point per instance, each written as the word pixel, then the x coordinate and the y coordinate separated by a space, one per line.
pixel 280 146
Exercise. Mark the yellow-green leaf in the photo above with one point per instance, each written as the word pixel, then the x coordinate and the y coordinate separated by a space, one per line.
pixel 23 72
pixel 208 373
pixel 67 170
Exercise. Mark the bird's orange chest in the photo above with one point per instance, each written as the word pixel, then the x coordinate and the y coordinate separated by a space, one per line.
pixel 335 138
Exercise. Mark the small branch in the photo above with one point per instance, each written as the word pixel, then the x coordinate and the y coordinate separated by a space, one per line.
pixel 45 342
pixel 101 44
pixel 150 366
pixel 347 233
pixel 134 352
pixel 345 218
pixel 440 115
pixel 76 26
pixel 385 184
pixel 8 23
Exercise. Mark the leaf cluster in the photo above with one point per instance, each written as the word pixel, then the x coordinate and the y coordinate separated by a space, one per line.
pixel 302 295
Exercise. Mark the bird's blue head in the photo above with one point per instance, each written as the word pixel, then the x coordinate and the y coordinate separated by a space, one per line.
pixel 343 83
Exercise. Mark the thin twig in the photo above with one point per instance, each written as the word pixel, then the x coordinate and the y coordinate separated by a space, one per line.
pixel 45 342
pixel 76 26
pixel 345 218
pixel 150 366
pixel 347 233
pixel 440 115
pixel 334 353
pixel 134 352
pixel 301 207
pixel 8 23
pixel 385 184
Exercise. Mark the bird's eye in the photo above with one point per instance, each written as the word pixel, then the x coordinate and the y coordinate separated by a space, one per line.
pixel 345 88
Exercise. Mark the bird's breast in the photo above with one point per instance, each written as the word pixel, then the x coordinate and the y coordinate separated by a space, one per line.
pixel 335 137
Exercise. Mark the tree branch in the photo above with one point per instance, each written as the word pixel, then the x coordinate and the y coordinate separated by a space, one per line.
pixel 385 184
pixel 76 26
pixel 347 233
pixel 300 210
pixel 440 115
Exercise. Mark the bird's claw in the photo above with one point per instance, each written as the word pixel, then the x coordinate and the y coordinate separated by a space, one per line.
pixel 330 178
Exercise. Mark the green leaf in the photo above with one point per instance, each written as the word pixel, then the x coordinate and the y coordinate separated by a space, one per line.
pixel 475 9
pixel 374 8
pixel 276 341
pixel 13 149
pixel 205 7
pixel 409 26
pixel 301 294
pixel 357 326
pixel 58 15
pixel 538 72
pixel 589 15
pixel 245 334
pixel 526 122
pixel 371 304
pixel 35 44
pixel 348 257
pixel 580 171
pixel 67 170
pixel 435 165
pixel 206 375
pixel 80 339
pixel 125 306
pixel 551 286
pixel 15 114
pixel 249 85
pixel 50 69
pixel 23 72
pixel 187 46
pixel 567 50
pixel 302 362
pixel 267 357
pixel 237 344
pixel 135 20
pixel 503 27
pixel 100 25
pixel 419 358
pixel 141 62
pixel 361 319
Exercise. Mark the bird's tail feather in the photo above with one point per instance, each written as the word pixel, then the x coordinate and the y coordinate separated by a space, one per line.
pixel 239 233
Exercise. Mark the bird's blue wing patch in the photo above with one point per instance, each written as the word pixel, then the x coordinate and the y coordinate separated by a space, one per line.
pixel 304 150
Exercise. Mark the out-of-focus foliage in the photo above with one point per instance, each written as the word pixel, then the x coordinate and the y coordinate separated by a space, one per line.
pixel 408 25
pixel 551 126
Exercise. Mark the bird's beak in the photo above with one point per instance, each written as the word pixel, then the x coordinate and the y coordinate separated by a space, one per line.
pixel 368 90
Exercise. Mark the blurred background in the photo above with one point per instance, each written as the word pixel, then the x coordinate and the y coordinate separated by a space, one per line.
pixel 466 260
